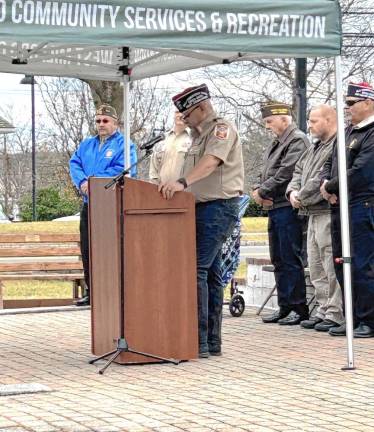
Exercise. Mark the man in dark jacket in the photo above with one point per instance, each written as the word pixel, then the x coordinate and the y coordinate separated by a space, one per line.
pixel 360 164
pixel 285 227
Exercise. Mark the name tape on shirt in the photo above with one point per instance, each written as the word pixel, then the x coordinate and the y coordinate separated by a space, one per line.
pixel 221 131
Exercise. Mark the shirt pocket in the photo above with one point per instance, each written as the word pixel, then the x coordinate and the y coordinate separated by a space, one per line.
pixel 194 154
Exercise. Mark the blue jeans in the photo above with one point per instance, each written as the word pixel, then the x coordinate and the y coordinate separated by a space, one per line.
pixel 362 244
pixel 362 217
pixel 215 221
pixel 285 242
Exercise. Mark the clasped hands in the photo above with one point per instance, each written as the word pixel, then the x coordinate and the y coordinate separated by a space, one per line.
pixel 261 201
pixel 331 198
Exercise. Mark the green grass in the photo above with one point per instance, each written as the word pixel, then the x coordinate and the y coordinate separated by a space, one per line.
pixel 34 289
pixel 249 225
pixel 254 225
pixel 40 227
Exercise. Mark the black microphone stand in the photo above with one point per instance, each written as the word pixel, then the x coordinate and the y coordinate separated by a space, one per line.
pixel 122 345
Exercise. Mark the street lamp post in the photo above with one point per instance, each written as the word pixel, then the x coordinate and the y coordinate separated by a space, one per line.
pixel 29 79
pixel 6 128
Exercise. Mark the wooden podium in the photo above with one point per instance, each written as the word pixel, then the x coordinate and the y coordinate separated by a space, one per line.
pixel 160 295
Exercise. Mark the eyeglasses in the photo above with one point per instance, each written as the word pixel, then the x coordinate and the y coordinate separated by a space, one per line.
pixel 98 121
pixel 353 102
pixel 185 116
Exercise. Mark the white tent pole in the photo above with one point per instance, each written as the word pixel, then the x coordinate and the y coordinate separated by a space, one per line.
pixel 344 214
pixel 126 119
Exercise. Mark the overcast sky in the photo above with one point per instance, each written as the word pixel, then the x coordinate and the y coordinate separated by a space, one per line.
pixel 17 98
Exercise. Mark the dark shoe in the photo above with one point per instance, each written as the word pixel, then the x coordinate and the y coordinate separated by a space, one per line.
pixel 311 322
pixel 204 354
pixel 84 301
pixel 292 319
pixel 338 331
pixel 276 316
pixel 363 331
pixel 326 325
pixel 302 310
pixel 215 350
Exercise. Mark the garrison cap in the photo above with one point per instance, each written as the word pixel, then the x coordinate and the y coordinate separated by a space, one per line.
pixel 275 108
pixel 107 110
pixel 190 97
pixel 360 91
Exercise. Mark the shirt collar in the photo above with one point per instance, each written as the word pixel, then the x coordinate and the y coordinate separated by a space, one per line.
pixel 364 123
pixel 107 138
pixel 331 139
pixel 286 133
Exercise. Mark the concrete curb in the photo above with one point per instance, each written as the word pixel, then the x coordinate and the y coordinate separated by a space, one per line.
pixel 43 310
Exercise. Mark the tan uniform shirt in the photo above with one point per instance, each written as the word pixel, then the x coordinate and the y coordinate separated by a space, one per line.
pixel 218 138
pixel 168 158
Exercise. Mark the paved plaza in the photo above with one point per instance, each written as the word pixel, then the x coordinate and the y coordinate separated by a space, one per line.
pixel 270 378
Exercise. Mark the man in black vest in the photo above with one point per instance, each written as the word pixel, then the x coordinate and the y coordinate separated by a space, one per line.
pixel 360 163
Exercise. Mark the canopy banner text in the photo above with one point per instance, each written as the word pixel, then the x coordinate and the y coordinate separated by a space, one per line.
pixel 256 26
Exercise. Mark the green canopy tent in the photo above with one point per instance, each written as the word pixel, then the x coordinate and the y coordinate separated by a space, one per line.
pixel 131 40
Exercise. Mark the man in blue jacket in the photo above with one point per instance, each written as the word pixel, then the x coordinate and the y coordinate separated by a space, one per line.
pixel 101 156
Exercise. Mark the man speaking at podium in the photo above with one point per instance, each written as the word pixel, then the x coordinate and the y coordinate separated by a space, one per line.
pixel 214 173
pixel 99 156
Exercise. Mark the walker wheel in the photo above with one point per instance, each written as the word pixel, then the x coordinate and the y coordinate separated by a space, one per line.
pixel 236 305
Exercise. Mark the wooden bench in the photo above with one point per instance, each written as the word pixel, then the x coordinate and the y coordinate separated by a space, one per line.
pixel 46 256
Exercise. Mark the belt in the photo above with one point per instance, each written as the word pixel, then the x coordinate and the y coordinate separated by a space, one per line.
pixel 223 200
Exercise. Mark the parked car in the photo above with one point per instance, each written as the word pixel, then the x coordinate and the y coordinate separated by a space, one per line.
pixel 75 217
pixel 3 217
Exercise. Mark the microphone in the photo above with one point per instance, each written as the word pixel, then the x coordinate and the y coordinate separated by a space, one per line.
pixel 152 142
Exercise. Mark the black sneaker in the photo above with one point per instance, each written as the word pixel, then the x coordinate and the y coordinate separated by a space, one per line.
pixel 84 301
pixel 338 331
pixel 276 316
pixel 326 325
pixel 310 323
pixel 215 351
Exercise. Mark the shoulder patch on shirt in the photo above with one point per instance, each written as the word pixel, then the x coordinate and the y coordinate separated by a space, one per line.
pixel 221 131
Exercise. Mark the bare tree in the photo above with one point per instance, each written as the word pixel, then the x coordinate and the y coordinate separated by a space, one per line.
pixel 15 156
pixel 71 106
pixel 245 86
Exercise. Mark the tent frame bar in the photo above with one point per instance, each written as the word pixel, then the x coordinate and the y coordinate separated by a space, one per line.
pixel 344 215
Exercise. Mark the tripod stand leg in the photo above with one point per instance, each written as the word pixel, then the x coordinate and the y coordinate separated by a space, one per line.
pixel 168 360
pixel 101 357
pixel 110 361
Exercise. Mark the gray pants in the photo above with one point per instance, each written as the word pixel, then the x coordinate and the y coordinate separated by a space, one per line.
pixel 321 268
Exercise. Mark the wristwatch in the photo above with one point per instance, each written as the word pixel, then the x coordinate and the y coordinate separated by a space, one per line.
pixel 182 181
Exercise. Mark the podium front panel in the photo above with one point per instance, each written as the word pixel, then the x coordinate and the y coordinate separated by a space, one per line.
pixel 160 302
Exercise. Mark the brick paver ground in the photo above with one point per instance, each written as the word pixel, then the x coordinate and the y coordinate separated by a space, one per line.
pixel 271 378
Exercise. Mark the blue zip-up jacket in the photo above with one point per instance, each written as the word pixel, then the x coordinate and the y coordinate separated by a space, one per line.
pixel 88 160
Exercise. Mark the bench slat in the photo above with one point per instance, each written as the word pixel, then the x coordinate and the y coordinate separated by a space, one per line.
pixel 32 303
pixel 42 276
pixel 39 251
pixel 39 238
pixel 40 266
